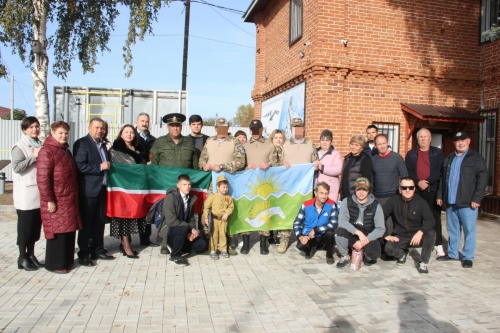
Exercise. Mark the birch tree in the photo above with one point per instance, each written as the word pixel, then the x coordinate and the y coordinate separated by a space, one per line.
pixel 83 29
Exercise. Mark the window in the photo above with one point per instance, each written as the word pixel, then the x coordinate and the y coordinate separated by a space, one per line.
pixel 295 20
pixel 392 132
pixel 487 141
pixel 490 11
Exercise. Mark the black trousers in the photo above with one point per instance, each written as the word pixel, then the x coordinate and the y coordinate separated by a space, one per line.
pixel 177 240
pixel 395 249
pixel 29 226
pixel 144 236
pixel 345 241
pixel 327 239
pixel 430 197
pixel 60 251
pixel 93 213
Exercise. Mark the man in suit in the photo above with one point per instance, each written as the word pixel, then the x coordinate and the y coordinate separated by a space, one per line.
pixel 146 140
pixel 92 163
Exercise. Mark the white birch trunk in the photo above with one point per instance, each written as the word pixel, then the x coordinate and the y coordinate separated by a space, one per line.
pixel 40 68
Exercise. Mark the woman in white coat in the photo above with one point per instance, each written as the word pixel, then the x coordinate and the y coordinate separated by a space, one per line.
pixel 26 194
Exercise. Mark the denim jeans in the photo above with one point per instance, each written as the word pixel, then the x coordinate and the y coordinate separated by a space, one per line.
pixel 458 219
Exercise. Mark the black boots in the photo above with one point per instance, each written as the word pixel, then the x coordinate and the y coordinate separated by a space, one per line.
pixel 263 245
pixel 246 244
pixel 26 264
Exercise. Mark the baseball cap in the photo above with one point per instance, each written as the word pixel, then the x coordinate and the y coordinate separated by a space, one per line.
pixel 460 136
pixel 255 124
pixel 362 182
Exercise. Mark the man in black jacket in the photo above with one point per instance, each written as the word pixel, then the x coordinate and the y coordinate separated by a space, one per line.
pixel 178 229
pixel 463 181
pixel 413 225
pixel 424 165
pixel 146 140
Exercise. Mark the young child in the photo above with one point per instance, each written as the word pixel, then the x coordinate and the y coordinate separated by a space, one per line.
pixel 222 206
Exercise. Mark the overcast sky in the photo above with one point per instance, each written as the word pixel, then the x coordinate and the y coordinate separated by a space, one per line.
pixel 220 74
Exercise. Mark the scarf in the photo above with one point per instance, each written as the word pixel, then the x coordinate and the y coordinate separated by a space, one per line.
pixel 34 142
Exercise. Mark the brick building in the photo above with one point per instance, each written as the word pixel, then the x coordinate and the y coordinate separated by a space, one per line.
pixel 401 65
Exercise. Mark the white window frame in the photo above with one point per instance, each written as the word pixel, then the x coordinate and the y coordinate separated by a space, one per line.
pixel 487 143
pixel 490 11
pixel 392 132
pixel 296 19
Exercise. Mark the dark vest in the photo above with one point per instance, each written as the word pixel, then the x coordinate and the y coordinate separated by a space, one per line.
pixel 368 216
pixel 355 169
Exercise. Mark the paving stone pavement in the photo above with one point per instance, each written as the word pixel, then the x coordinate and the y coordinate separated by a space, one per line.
pixel 249 293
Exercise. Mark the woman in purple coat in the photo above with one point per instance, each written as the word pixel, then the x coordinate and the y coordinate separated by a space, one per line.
pixel 330 164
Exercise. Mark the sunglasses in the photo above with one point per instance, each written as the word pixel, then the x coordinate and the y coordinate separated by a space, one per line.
pixel 404 188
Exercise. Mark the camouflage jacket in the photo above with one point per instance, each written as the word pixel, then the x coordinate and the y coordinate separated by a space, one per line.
pixel 276 156
pixel 182 155
pixel 314 155
pixel 239 157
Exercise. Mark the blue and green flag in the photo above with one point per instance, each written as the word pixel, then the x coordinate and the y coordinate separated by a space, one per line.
pixel 267 200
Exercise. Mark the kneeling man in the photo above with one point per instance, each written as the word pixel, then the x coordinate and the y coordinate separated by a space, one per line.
pixel 413 225
pixel 178 229
pixel 361 225
pixel 316 223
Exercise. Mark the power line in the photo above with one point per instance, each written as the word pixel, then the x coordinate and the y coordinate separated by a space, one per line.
pixel 27 85
pixel 170 35
pixel 231 10
pixel 24 97
pixel 206 3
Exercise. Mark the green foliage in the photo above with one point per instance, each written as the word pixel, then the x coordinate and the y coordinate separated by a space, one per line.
pixel 244 115
pixel 18 115
pixel 83 29
pixel 494 32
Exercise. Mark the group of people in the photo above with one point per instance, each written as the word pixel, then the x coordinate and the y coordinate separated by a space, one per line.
pixel 387 204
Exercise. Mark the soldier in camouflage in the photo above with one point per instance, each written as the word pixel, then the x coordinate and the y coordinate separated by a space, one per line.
pixel 174 150
pixel 258 151
pixel 222 153
pixel 297 150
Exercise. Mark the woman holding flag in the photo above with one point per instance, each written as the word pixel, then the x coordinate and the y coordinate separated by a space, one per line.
pixel 127 150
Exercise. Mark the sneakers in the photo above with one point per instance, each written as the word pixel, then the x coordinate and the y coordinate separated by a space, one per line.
pixel 178 261
pixel 343 261
pixel 402 260
pixel 422 268
pixel 214 255
pixel 283 245
pixel 439 250
pixel 224 254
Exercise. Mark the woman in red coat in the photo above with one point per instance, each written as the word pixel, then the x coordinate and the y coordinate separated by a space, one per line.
pixel 56 178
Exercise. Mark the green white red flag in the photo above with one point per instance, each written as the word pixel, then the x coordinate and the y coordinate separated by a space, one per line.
pixel 133 189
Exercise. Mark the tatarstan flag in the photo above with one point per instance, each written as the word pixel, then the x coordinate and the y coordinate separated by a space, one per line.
pixel 133 189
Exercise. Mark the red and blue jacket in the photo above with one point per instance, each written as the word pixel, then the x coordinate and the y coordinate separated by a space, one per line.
pixel 308 218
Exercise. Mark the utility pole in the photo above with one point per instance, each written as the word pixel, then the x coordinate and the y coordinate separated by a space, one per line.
pixel 186 42
pixel 12 98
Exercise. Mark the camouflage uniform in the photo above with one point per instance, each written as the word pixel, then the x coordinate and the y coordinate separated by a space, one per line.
pixel 214 152
pixel 284 235
pixel 261 140
pixel 167 153
pixel 276 156
pixel 238 163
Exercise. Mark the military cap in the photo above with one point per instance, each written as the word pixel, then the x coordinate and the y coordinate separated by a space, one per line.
pixel 255 124
pixel 221 178
pixel 221 122
pixel 363 183
pixel 174 118
pixel 297 122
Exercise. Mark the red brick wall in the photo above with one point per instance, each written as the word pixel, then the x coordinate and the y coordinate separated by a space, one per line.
pixel 423 52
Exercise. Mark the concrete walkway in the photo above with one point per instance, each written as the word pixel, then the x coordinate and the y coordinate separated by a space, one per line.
pixel 252 293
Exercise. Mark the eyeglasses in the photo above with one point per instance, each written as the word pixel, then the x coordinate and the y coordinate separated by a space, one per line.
pixel 404 188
